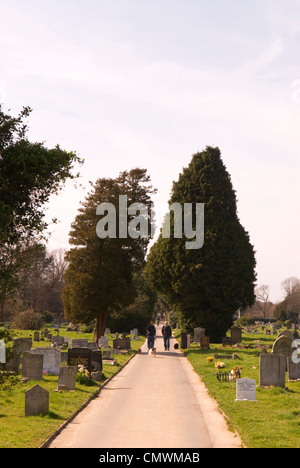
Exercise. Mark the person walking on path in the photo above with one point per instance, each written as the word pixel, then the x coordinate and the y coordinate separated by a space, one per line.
pixel 151 334
pixel 167 333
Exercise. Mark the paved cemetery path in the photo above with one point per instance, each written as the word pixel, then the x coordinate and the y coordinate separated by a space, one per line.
pixel 152 403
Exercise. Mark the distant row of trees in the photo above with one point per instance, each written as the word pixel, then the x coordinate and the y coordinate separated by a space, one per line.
pixel 288 309
pixel 111 281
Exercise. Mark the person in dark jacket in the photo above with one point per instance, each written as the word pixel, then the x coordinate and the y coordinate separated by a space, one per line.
pixel 167 333
pixel 151 334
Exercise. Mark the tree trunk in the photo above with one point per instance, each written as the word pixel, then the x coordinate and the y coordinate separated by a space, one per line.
pixel 100 326
pixel 2 311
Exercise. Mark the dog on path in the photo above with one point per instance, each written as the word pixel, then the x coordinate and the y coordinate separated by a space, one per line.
pixel 152 352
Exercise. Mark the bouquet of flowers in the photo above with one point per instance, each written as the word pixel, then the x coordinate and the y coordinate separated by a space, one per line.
pixel 235 373
pixel 209 359
pixel 219 365
pixel 83 375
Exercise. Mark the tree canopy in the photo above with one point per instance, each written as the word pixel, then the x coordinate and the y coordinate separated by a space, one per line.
pixel 29 174
pixel 205 285
pixel 99 277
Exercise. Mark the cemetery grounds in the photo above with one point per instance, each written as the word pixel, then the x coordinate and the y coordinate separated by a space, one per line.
pixel 273 421
pixel 18 431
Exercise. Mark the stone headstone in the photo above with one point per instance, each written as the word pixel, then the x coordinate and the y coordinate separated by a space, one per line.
pixel 92 345
pixel 67 340
pixel 64 356
pixel 58 340
pixel 293 369
pixel 67 378
pixel 236 335
pixel 20 345
pixel 283 346
pixel 79 343
pixel 32 366
pixel 2 352
pixel 122 343
pixel 183 340
pixel 204 342
pixel 103 340
pixel 106 353
pixel 226 341
pixel 188 340
pixel 245 389
pixel 198 332
pixel 52 358
pixel 272 370
pixel 96 358
pixel 36 336
pixel 286 333
pixel 36 401
pixel 13 364
pixel 80 357
pixel 107 331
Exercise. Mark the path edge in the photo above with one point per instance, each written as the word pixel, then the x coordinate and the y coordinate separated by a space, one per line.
pixel 85 404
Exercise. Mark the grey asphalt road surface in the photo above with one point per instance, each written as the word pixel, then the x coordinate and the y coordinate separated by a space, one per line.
pixel 152 403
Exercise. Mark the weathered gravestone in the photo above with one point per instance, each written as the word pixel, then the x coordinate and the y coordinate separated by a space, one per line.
pixel 64 356
pixel 32 366
pixel 67 378
pixel 286 333
pixel 204 342
pixel 20 345
pixel 122 343
pixel 36 336
pixel 272 370
pixel 293 366
pixel 198 332
pixel 103 341
pixel 80 343
pixel 67 340
pixel 36 401
pixel 58 340
pixel 188 340
pixel 51 361
pixel 236 335
pixel 183 340
pixel 96 359
pixel 80 357
pixel 284 346
pixel 245 389
pixel 226 341
pixel 2 352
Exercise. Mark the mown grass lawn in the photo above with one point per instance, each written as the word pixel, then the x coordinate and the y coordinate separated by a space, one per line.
pixel 18 431
pixel 273 421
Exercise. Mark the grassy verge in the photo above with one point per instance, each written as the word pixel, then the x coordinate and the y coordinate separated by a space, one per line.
pixel 273 421
pixel 18 431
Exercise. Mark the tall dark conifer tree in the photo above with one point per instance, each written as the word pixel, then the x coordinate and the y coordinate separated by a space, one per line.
pixel 99 277
pixel 206 285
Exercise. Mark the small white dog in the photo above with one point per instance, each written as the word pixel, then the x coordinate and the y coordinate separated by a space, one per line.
pixel 152 352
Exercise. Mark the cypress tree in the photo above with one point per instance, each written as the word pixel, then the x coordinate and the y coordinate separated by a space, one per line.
pixel 206 285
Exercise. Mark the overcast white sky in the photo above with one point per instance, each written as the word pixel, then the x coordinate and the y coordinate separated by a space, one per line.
pixel 149 83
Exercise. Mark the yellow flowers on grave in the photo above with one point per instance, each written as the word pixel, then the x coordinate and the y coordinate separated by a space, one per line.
pixel 83 375
pixel 209 358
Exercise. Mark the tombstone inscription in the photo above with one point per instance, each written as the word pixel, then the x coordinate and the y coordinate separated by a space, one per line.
pixel 245 389
pixel 80 357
